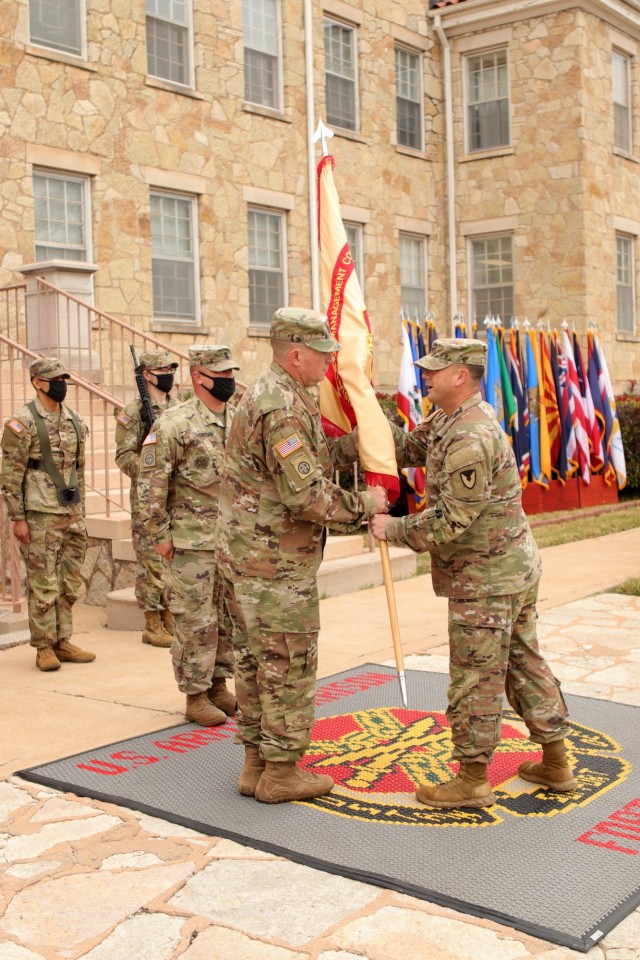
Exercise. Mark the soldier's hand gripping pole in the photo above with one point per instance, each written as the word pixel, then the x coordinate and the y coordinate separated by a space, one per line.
pixel 148 415
pixel 393 617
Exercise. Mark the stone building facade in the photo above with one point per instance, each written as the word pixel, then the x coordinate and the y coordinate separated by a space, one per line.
pixel 168 142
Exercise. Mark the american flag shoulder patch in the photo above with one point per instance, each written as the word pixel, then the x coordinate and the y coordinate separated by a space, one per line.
pixel 16 426
pixel 123 419
pixel 289 445
pixel 149 439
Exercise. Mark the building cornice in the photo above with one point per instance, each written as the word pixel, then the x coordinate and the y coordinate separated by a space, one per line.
pixel 460 18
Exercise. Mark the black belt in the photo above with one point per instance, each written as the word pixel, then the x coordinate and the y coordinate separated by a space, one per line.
pixel 38 464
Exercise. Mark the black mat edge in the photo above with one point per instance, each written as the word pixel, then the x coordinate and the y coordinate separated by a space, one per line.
pixel 582 944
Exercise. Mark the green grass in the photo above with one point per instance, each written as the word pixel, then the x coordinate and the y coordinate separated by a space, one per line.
pixel 630 587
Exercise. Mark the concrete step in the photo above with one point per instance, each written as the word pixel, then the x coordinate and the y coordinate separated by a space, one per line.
pixel 116 526
pixel 343 574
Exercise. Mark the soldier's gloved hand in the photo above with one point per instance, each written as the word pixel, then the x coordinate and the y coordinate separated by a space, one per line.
pixel 381 498
pixel 21 531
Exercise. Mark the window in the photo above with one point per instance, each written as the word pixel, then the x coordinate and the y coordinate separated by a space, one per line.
pixel 340 74
pixel 413 292
pixel 492 278
pixel 261 52
pixel 408 99
pixel 621 102
pixel 488 100
pixel 56 24
pixel 266 266
pixel 355 241
pixel 173 254
pixel 169 41
pixel 625 272
pixel 60 215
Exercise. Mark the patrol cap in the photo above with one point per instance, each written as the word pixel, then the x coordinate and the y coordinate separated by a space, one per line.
pixel 47 368
pixel 454 350
pixel 214 357
pixel 298 325
pixel 156 358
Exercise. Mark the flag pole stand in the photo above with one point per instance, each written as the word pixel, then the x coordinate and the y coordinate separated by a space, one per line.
pixel 393 617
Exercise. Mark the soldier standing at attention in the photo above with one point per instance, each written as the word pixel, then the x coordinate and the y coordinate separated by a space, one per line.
pixel 43 449
pixel 131 429
pixel 485 560
pixel 178 491
pixel 276 499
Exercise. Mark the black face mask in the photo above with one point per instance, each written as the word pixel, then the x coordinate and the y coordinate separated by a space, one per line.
pixel 57 390
pixel 222 388
pixel 165 382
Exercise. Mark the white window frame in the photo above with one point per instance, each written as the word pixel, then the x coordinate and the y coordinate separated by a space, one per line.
pixel 415 305
pixel 496 303
pixel 417 99
pixel 171 256
pixel 152 14
pixel 473 107
pixel 262 323
pixel 332 119
pixel 355 238
pixel 47 43
pixel 45 248
pixel 625 284
pixel 248 7
pixel 621 96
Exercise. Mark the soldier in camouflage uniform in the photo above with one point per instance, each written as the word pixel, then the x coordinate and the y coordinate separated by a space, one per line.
pixel 43 447
pixel 485 560
pixel 158 371
pixel 178 490
pixel 276 499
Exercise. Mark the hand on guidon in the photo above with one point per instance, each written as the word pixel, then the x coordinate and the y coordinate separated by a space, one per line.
pixel 378 525
pixel 381 498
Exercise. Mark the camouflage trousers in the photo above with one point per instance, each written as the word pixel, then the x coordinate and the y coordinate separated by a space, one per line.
pixel 494 649
pixel 201 648
pixel 150 587
pixel 53 561
pixel 275 638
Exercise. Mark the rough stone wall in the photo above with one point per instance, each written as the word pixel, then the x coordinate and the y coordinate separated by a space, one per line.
pixel 102 574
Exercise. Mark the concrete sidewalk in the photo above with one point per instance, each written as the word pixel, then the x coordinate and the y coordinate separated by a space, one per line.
pixel 82 879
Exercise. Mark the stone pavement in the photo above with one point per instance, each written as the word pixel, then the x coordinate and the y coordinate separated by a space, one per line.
pixel 91 880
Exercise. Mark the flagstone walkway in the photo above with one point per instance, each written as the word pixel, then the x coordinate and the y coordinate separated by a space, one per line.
pixel 91 880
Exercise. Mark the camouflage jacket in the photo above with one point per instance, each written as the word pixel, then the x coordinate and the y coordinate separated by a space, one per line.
pixel 179 480
pixel 26 488
pixel 473 526
pixel 129 436
pixel 278 491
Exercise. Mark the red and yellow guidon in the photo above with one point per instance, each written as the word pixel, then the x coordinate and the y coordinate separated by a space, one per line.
pixel 378 757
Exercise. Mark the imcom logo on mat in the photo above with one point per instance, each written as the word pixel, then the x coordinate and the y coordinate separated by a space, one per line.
pixel 378 757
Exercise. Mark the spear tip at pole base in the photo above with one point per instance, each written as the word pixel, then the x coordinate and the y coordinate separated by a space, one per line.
pixel 403 687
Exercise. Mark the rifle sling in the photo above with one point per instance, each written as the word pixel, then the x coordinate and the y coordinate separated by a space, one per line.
pixel 45 450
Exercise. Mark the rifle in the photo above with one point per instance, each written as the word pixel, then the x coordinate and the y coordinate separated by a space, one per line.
pixel 148 416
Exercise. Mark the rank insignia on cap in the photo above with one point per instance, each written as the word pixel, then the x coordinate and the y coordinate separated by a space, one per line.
pixel 289 445
pixel 15 425
pixel 123 419
pixel 149 439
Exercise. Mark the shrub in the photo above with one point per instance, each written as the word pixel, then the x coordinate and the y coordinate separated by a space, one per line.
pixel 628 408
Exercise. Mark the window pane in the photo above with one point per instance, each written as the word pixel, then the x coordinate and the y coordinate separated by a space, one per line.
pixel 167 51
pixel 56 24
pixel 266 266
pixel 408 97
pixel 625 270
pixel 488 106
pixel 621 105
pixel 60 219
pixel 412 277
pixel 340 74
pixel 261 52
pixel 354 239
pixel 173 257
pixel 492 272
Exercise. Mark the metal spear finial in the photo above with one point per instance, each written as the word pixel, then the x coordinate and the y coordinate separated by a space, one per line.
pixel 323 133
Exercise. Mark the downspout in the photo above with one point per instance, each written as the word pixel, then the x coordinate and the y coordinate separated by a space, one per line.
pixel 311 159
pixel 450 170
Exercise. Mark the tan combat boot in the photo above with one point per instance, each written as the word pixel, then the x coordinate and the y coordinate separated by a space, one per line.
pixel 168 623
pixel 67 652
pixel 282 782
pixel 252 770
pixel 154 632
pixel 469 789
pixel 554 771
pixel 46 659
pixel 220 697
pixel 199 710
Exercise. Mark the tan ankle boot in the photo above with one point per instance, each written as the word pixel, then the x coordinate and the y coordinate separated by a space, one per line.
pixel 282 782
pixel 168 623
pixel 46 659
pixel 470 788
pixel 154 632
pixel 554 771
pixel 252 770
pixel 67 652
pixel 199 710
pixel 220 697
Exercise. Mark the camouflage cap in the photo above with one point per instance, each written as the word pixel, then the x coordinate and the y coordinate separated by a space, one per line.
pixel 454 350
pixel 47 368
pixel 214 357
pixel 298 325
pixel 156 359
